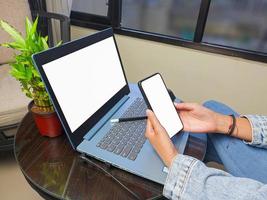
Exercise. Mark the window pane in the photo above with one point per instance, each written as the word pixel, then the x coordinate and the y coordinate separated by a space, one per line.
pixel 168 17
pixel 238 23
pixel 96 7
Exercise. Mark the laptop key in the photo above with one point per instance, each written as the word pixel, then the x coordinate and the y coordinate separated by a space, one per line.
pixel 115 142
pixel 132 155
pixel 139 145
pixel 119 148
pixel 111 147
pixel 126 151
pixel 130 142
pixel 104 145
pixel 137 149
pixel 142 140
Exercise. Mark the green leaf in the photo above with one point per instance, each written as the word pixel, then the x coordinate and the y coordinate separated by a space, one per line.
pixel 14 45
pixel 34 27
pixel 36 73
pixel 45 46
pixel 28 26
pixel 12 32
pixel 30 44
pixel 26 90
pixel 18 66
pixel 18 75
pixel 41 84
pixel 22 58
pixel 28 74
pixel 59 43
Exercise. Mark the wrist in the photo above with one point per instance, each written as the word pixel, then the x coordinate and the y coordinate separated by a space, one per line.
pixel 222 123
pixel 174 154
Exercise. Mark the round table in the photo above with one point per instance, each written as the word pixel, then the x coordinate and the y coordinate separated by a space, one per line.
pixel 56 171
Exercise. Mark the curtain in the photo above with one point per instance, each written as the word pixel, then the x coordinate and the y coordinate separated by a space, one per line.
pixel 61 7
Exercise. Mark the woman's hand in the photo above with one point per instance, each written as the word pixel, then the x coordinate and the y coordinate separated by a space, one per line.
pixel 160 139
pixel 197 118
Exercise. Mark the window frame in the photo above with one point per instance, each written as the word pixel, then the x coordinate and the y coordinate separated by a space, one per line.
pixel 113 19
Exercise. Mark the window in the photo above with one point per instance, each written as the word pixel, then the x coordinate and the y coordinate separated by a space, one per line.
pixel 176 18
pixel 229 27
pixel 238 23
pixel 96 7
pixel 93 11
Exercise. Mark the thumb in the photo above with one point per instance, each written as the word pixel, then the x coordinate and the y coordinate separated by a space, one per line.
pixel 153 120
pixel 149 130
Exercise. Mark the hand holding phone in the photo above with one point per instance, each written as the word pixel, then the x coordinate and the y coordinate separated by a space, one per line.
pixel 158 99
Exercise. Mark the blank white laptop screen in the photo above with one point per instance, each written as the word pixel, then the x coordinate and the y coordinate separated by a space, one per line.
pixel 85 80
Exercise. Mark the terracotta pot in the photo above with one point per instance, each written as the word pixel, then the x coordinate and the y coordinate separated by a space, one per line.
pixel 47 122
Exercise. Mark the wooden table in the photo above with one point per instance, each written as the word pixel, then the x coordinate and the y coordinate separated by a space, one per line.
pixel 56 171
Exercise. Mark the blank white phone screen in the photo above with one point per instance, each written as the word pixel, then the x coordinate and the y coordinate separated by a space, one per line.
pixel 161 104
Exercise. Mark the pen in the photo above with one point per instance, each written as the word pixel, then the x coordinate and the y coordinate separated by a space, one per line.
pixel 127 119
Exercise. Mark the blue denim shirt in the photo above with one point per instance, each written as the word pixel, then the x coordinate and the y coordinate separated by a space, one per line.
pixel 189 178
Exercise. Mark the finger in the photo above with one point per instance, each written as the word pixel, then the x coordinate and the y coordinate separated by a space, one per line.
pixel 185 106
pixel 149 130
pixel 154 121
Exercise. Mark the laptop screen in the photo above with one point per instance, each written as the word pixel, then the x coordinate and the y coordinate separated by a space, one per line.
pixel 83 81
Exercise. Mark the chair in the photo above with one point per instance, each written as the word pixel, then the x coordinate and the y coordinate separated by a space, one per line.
pixel 13 103
pixel 64 23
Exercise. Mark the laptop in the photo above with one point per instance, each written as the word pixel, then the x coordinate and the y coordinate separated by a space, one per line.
pixel 87 84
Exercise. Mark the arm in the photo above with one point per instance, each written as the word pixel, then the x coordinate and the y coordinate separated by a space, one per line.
pixel 242 129
pixel 189 178
pixel 259 130
pixel 196 118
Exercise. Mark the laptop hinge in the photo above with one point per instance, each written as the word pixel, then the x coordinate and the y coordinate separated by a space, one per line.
pixel 104 119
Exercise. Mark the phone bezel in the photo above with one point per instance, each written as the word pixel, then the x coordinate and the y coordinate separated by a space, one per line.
pixel 147 101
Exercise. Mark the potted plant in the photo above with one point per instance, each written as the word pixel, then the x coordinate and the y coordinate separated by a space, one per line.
pixel 23 70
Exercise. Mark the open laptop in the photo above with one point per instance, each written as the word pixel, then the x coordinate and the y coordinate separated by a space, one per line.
pixel 87 85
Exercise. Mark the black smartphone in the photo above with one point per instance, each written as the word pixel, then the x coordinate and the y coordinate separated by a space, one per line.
pixel 157 98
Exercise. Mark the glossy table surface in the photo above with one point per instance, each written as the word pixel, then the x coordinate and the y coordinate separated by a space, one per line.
pixel 56 171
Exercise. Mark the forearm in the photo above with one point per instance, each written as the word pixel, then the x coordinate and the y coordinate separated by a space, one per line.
pixel 242 129
pixel 259 130
pixel 189 178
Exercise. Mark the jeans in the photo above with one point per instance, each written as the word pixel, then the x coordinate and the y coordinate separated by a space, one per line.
pixel 238 158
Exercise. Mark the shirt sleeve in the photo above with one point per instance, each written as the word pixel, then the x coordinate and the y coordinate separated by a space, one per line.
pixel 259 130
pixel 189 178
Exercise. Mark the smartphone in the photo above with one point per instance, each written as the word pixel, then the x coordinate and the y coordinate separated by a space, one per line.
pixel 159 101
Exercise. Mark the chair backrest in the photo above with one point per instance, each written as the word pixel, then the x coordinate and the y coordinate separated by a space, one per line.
pixel 51 19
pixel 13 103
pixel 14 12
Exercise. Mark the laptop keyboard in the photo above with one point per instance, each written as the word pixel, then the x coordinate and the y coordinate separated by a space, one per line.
pixel 127 138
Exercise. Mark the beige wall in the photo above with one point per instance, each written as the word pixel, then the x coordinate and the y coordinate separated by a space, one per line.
pixel 195 76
